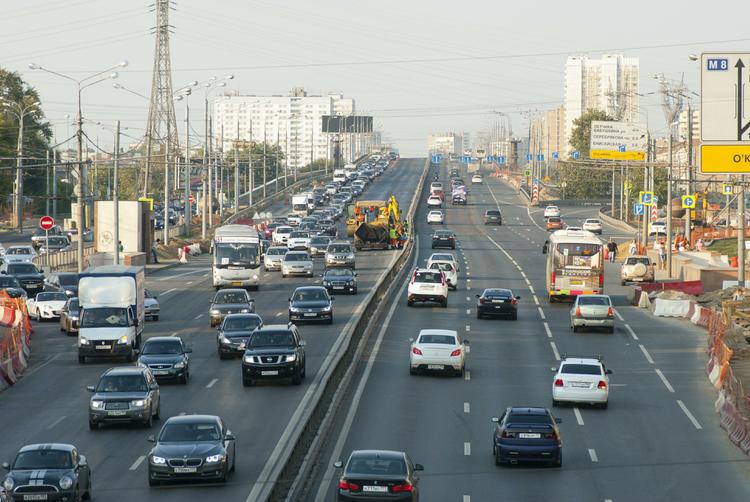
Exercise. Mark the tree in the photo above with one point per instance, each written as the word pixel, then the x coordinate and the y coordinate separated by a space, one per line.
pixel 580 136
pixel 37 134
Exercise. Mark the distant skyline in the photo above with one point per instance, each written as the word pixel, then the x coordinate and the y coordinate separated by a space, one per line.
pixel 420 66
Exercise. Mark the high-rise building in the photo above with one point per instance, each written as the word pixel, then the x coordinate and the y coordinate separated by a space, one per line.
pixel 446 143
pixel 466 141
pixel 293 122
pixel 548 133
pixel 609 84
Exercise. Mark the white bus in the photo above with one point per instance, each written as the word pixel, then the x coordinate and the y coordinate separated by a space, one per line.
pixel 575 264
pixel 236 259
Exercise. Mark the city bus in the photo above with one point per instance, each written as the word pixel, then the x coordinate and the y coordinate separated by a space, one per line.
pixel 575 264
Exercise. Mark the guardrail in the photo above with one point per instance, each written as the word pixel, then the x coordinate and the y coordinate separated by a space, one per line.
pixel 284 481
pixel 62 259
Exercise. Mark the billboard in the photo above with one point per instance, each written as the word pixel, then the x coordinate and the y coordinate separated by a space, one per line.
pixel 618 140
pixel 351 123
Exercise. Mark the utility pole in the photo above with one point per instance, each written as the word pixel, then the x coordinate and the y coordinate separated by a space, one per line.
pixel 690 184
pixel 55 159
pixel 210 173
pixel 165 209
pixel 188 216
pixel 237 170
pixel 115 196
pixel 646 175
pixel 204 175
pixel 46 176
pixel 79 185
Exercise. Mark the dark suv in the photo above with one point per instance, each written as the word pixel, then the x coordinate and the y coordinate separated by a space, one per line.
pixel 125 394
pixel 493 216
pixel 274 351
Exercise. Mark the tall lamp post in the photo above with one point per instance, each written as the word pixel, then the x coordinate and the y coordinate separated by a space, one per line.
pixel 82 84
pixel 20 111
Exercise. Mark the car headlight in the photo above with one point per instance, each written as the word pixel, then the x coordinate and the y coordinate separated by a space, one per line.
pixel 212 459
pixel 158 460
pixel 291 358
pixel 179 365
pixel 138 403
pixel 83 341
pixel 122 340
pixel 245 311
pixel 350 256
pixel 248 359
pixel 8 484
pixel 214 312
pixel 97 405
pixel 224 339
pixel 255 277
pixel 326 309
pixel 350 283
pixel 326 283
pixel 294 309
pixel 141 364
pixel 66 482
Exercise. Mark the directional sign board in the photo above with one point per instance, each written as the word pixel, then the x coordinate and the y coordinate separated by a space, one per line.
pixel 436 159
pixel 688 201
pixel 529 157
pixel 490 158
pixel 639 209
pixel 555 155
pixel 575 154
pixel 618 140
pixel 646 198
pixel 540 157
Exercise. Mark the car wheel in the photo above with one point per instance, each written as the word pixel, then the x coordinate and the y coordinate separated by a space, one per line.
pixel 38 316
pixel 283 275
pixel 409 303
pixel 81 359
pixel 479 315
pixel 223 478
pixel 559 461
pixel 412 371
pixel 93 425
pixel 330 320
pixel 555 403
pixel 247 382
pixel 445 303
pixel 87 493
pixel 297 377
pixel 460 372
pixel 575 328
pixel 155 318
pixel 498 460
pixel 152 481
pixel 612 330
pixel 149 422
pixel 622 283
pixel 604 405
pixel 514 316
pixel 184 379
pixel 303 374
pixel 222 355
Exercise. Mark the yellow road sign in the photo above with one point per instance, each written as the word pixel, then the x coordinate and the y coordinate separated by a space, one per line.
pixel 149 200
pixel 727 189
pixel 726 158
pixel 646 198
pixel 616 155
pixel 688 201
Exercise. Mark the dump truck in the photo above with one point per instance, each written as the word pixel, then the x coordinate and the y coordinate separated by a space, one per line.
pixel 370 222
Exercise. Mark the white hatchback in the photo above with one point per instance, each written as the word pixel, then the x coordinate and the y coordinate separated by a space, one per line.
pixel 434 201
pixel 449 269
pixel 551 211
pixel 435 216
pixel 437 350
pixel 443 257
pixel 581 380
pixel 593 225
pixel 281 235
pixel 427 285
pixel 477 179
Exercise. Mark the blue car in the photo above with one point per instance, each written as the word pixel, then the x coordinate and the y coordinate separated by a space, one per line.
pixel 527 435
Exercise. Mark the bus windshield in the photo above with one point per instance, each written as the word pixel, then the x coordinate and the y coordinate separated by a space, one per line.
pixel 242 255
pixel 573 254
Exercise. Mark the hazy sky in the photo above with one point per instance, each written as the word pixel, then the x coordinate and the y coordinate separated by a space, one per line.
pixel 418 65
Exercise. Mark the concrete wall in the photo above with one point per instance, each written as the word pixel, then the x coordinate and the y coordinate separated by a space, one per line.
pixel 131 221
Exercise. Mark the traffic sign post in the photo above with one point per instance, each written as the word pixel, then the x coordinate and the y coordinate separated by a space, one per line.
pixel 46 223
pixel 646 198
pixel 688 201
pixel 576 155
pixel 638 209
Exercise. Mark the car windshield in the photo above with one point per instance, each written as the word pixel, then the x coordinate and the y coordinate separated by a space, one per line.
pixel 68 279
pixel 442 257
pixel 271 339
pixel 339 272
pixel 22 268
pixel 296 257
pixel 594 300
pixel 339 248
pixel 230 297
pixel 527 418
pixel 18 251
pixel 73 305
pixel 375 466
pixel 106 317
pixel 552 208
pixel 299 235
pixel 633 261
pixel 432 277
pixel 497 293
pixel 580 369
pixel 436 213
pixel 554 219
pixel 443 233
pixel 43 459
pixel 307 295
pixel 244 323
pixel 593 222
pixel 284 230
pixel 122 383
pixel 177 433
pixel 7 281
pixel 276 251
pixel 57 241
pixel 51 297
pixel 317 241
pixel 445 267
pixel 441 339
pixel 161 347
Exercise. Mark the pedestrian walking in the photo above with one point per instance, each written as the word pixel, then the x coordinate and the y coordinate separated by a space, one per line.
pixel 661 251
pixel 154 248
pixel 612 249
pixel 394 237
pixel 120 247
pixel 632 248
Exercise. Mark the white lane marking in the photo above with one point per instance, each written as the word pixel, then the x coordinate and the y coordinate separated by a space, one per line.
pixel 467 408
pixel 549 331
pixel 536 300
pixel 467 375
pixel 211 383
pixel 169 291
pixel 531 288
pixel 468 280
pixel 188 283
pixel 619 316
pixel 646 354
pixel 523 274
pixel 467 498
pixel 467 449
pixel 137 462
pixel 664 379
pixel 198 316
pixel 468 311
pixel 689 415
pixel 577 413
pixel 541 313
pixel 468 298
pixel 630 330
pixel 179 275
pixel 33 370
pixel 607 500
pixel 278 314
pixel 468 288
pixel 468 327
pixel 53 424
pixel 554 351
pixel 592 454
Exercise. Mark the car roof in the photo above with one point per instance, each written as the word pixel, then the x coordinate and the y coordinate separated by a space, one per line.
pixel 163 339
pixel 309 288
pixel 274 327
pixel 231 290
pixel 497 291
pixel 594 296
pixel 47 446
pixel 581 360
pixel 296 252
pixel 125 370
pixel 448 332
pixel 521 410
pixel 386 454
pixel 192 419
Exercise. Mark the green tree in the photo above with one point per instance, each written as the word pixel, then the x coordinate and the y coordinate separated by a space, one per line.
pixel 37 134
pixel 580 136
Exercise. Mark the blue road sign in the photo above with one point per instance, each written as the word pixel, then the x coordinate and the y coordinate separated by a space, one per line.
pixel 555 155
pixel 529 157
pixel 501 159
pixel 436 159
pixel 621 148
pixel 576 154
pixel 490 158
pixel 638 209
pixel 465 159
pixel 717 64
pixel 540 157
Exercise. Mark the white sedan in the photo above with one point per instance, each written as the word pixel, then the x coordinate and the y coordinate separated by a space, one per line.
pixel 551 211
pixel 477 179
pixel 46 305
pixel 439 257
pixel 19 254
pixel 298 240
pixel 581 380
pixel 438 350
pixel 449 269
pixel 281 235
pixel 434 201
pixel 593 225
pixel 435 217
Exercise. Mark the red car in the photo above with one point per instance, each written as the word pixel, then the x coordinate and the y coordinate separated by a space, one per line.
pixel 554 223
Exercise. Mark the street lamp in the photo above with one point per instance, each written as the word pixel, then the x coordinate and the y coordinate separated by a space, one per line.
pixel 82 84
pixel 184 92
pixel 19 110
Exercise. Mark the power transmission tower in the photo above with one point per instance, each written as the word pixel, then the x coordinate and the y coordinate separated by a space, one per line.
pixel 161 128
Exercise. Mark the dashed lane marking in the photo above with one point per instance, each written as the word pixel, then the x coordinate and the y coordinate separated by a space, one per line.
pixel 468 311
pixel 137 462
pixel 467 449
pixel 664 380
pixel 536 300
pixel 690 416
pixel 188 283
pixel 549 331
pixel 198 316
pixel 577 413
pixel 632 333
pixel 554 351
pixel 468 327
pixel 467 375
pixel 168 291
pixel 646 354
pixel 278 314
pixel 53 424
pixel 179 275
pixel 541 313
pixel 467 408
pixel 592 454
pixel 211 383
pixel 619 316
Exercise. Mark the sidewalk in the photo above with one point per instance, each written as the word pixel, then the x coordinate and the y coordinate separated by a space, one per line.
pixel 152 268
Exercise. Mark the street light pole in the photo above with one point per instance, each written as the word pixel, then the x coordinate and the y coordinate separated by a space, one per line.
pixel 115 196
pixel 188 207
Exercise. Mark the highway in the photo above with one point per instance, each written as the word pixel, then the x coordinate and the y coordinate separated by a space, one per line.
pixel 50 403
pixel 659 440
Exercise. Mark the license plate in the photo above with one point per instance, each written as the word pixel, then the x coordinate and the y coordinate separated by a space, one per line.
pixel 103 347
pixel 310 314
pixel 434 366
pixel 116 413
pixel 498 301
pixel 637 279
pixel 185 469
pixel 40 496
pixel 529 435
pixel 160 372
pixel 580 385
pixel 234 283
pixel 338 287
pixel 269 373
pixel 576 283
pixel 376 489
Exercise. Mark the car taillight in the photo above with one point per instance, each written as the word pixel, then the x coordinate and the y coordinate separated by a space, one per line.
pixel 552 278
pixel 413 276
pixel 416 351
pixel 402 488
pixel 456 352
pixel 602 385
pixel 346 485
pixel 507 434
pixel 558 382
pixel 610 312
pixel 450 238
pixel 578 312
pixel 513 301
pixel 442 279
pixel 550 435
pixel 601 280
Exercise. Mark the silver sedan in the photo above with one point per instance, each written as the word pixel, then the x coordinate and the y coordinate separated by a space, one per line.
pixel 297 263
pixel 592 311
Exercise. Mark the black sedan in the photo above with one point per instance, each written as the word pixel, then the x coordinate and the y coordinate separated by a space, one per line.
pixel 234 333
pixel 63 282
pixel 527 435
pixel 50 471
pixel 192 447
pixel 340 280
pixel 443 239
pixel 378 475
pixel 311 303
pixel 30 278
pixel 229 301
pixel 497 302
pixel 166 357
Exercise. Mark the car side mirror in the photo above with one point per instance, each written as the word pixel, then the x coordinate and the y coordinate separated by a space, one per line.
pixel 496 420
pixel 558 420
pixel 151 439
pixel 337 464
pixel 302 343
pixel 82 461
pixel 3 272
pixel 518 297
pixel 229 436
pixel 332 298
pixel 356 274
pixel 289 299
pixel 90 388
pixel 188 351
pixel 544 250
pixel 418 467
pixel 6 466
pixel 608 372
pixel 154 386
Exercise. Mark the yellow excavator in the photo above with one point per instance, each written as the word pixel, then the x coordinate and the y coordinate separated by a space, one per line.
pixel 370 222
